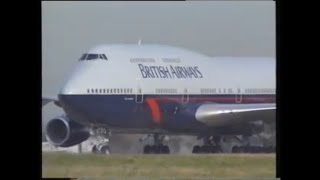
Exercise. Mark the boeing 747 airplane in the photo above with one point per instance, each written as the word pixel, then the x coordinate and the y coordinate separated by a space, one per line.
pixel 161 90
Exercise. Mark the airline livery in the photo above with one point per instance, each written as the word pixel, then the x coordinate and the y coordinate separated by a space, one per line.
pixel 161 90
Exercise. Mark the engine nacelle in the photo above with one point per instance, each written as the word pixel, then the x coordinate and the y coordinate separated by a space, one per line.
pixel 63 132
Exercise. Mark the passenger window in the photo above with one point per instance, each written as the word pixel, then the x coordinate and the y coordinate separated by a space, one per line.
pixel 104 91
pixel 110 91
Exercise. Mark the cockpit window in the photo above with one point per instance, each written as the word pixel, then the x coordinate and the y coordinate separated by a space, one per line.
pixel 104 56
pixel 83 57
pixel 93 57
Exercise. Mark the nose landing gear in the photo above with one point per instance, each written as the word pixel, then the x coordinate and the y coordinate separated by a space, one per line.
pixel 102 144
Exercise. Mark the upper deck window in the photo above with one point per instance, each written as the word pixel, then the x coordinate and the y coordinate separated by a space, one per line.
pixel 93 57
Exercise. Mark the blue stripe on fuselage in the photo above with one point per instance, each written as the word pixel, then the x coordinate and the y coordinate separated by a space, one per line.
pixel 122 111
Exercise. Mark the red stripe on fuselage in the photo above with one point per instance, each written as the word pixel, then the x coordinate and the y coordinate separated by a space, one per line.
pixel 155 110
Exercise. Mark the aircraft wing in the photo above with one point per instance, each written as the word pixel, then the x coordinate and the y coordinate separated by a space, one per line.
pixel 217 115
pixel 47 99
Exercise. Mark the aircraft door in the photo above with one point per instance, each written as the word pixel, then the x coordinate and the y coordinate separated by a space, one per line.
pixel 139 94
pixel 185 96
pixel 238 95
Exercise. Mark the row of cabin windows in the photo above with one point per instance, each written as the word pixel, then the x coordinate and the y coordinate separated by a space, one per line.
pixel 171 60
pixel 259 90
pixel 166 91
pixel 214 90
pixel 230 90
pixel 142 60
pixel 111 91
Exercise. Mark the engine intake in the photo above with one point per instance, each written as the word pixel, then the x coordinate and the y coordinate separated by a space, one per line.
pixel 63 132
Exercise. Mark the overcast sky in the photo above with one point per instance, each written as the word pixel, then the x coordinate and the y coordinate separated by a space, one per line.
pixel 215 28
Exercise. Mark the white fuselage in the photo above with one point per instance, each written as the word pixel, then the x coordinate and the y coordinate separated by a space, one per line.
pixel 127 67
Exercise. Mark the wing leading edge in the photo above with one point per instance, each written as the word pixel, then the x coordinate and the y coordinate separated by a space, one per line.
pixel 46 100
pixel 217 115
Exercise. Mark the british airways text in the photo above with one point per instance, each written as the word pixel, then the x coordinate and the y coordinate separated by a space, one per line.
pixel 170 71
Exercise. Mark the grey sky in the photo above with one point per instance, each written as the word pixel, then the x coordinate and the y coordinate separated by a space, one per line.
pixel 215 28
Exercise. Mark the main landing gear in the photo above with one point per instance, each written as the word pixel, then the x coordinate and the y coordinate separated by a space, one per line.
pixel 158 147
pixel 102 144
pixel 211 144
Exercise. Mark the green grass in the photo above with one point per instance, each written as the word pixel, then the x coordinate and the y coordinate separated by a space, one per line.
pixel 159 166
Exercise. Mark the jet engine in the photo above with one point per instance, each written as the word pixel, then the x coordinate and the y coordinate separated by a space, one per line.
pixel 63 132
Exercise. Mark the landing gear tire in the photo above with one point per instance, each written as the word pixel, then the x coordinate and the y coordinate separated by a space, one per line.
pixel 95 149
pixel 147 149
pixel 235 149
pixel 105 150
pixel 166 150
pixel 157 147
pixel 102 137
pixel 211 144
pixel 196 149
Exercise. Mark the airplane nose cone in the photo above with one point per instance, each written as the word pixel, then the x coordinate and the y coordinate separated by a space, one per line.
pixel 76 82
pixel 68 88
